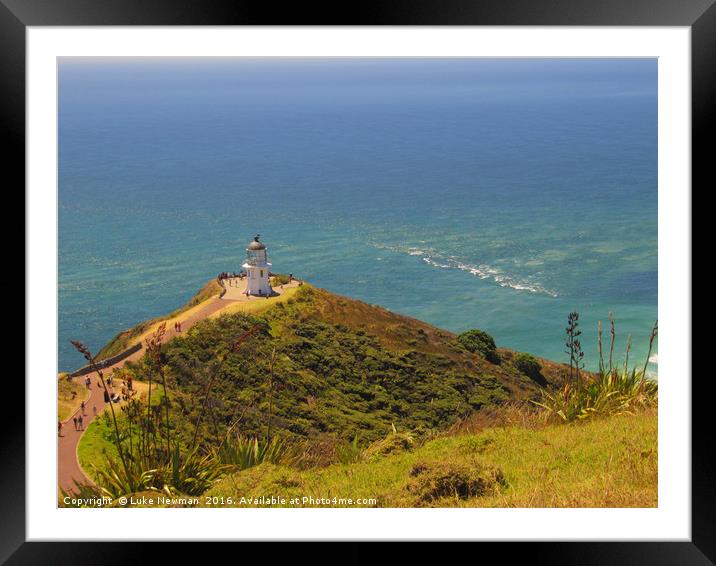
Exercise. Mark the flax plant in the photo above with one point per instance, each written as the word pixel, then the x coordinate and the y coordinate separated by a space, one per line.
pixel 652 337
pixel 612 390
pixel 574 348
pixel 214 374
pixel 85 351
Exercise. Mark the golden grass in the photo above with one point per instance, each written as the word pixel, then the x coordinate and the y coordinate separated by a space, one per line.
pixel 66 404
pixel 608 462
pixel 255 306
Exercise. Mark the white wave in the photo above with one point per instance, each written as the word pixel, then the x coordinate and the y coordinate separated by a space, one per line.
pixel 430 261
pixel 483 271
pixel 488 272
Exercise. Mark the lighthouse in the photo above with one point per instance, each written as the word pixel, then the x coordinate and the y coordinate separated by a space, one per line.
pixel 257 269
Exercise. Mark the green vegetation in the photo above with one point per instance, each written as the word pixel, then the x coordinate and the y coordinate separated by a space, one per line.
pixel 242 453
pixel 609 462
pixel 303 376
pixel 323 396
pixel 529 365
pixel 97 442
pixel 280 279
pixel 480 342
pixel 98 449
pixel 392 444
pixel 431 482
pixel 613 390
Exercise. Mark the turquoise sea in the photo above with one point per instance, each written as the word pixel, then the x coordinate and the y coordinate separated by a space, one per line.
pixel 471 193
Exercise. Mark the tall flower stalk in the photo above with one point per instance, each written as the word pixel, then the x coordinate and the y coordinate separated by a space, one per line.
pixel 599 345
pixel 210 384
pixel 85 351
pixel 613 338
pixel 154 349
pixel 652 337
pixel 574 348
pixel 272 363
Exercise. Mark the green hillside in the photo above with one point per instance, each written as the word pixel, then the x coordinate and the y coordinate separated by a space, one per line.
pixel 323 396
pixel 321 364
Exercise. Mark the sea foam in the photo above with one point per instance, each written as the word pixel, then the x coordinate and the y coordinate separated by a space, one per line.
pixel 483 271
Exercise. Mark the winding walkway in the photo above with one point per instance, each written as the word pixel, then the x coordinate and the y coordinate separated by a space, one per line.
pixel 68 466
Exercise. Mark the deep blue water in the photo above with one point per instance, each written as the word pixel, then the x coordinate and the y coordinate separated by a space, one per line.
pixel 497 194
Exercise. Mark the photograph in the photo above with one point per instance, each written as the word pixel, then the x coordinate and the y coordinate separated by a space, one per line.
pixel 357 282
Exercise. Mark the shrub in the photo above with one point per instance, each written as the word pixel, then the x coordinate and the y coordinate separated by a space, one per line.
pixel 348 452
pixel 241 452
pixel 529 365
pixel 280 279
pixel 432 481
pixel 391 444
pixel 480 342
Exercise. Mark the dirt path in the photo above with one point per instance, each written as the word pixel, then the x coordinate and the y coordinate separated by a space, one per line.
pixel 68 467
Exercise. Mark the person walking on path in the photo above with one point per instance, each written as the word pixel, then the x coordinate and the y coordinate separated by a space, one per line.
pixel 80 422
pixel 94 410
pixel 75 420
pixel 82 406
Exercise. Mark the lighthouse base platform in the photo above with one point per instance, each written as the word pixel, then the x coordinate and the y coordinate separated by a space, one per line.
pixel 236 290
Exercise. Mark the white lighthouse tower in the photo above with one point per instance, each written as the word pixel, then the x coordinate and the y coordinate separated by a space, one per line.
pixel 257 269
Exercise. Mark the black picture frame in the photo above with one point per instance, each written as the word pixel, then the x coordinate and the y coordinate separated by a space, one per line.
pixel 699 15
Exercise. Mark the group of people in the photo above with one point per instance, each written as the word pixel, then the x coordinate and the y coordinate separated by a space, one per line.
pixel 109 396
pixel 227 275
pixel 78 418
pixel 177 327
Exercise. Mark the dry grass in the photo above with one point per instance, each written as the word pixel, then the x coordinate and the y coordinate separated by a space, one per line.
pixel 609 462
pixel 395 331
pixel 513 414
pixel 70 395
pixel 257 305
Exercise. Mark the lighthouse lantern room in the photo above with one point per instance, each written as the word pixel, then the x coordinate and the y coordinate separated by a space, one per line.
pixel 257 269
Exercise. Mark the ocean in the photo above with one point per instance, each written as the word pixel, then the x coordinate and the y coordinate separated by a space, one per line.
pixel 498 194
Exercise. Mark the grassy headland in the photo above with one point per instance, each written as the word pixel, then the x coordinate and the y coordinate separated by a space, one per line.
pixel 313 394
pixel 320 364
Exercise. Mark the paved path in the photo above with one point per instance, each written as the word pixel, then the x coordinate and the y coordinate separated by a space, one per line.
pixel 68 467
